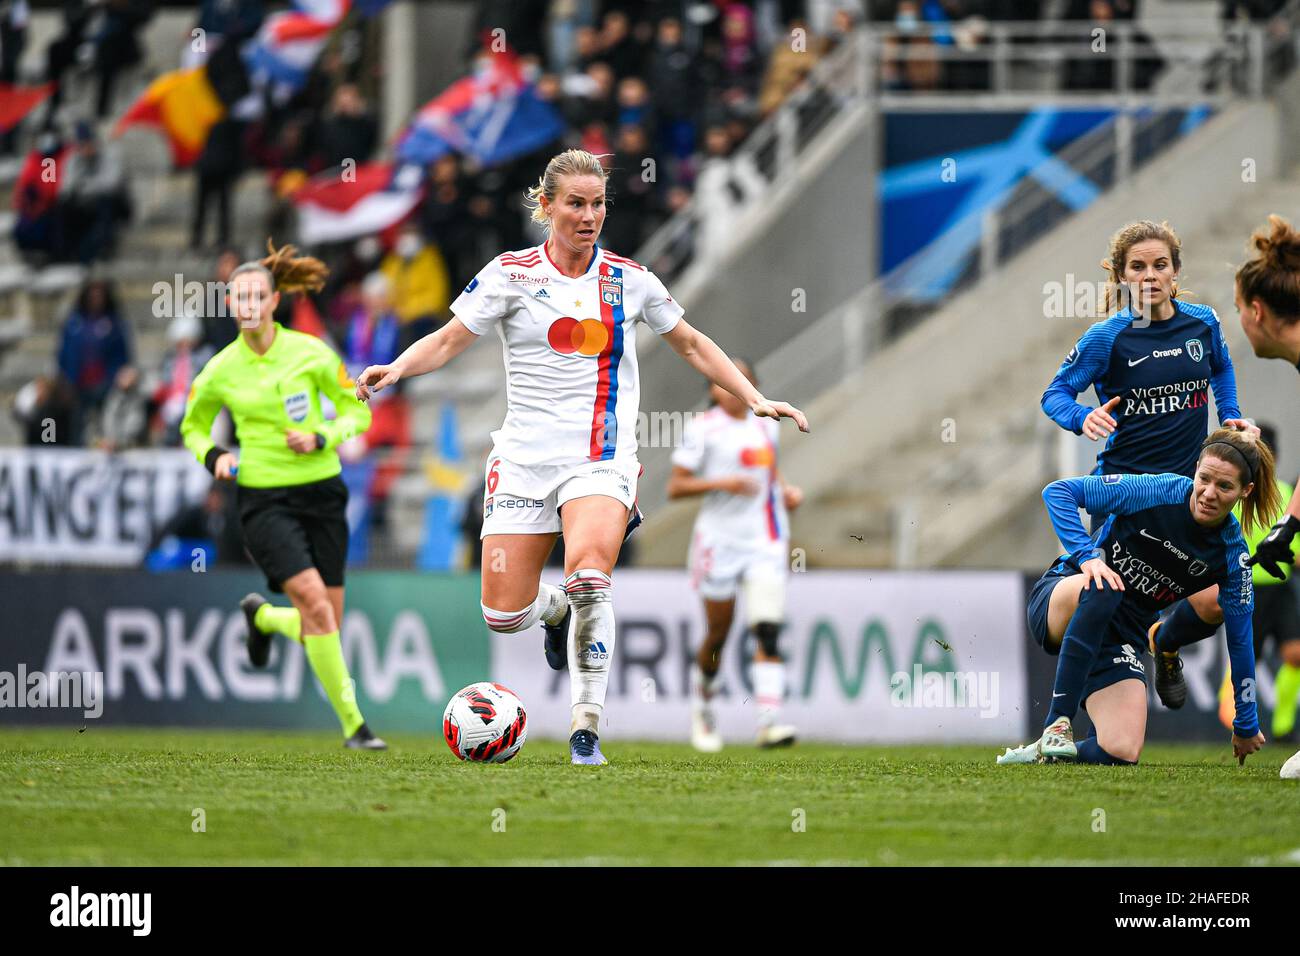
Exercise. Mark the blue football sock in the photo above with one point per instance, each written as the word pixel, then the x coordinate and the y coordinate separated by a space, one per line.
pixel 1183 626
pixel 1090 752
pixel 1083 638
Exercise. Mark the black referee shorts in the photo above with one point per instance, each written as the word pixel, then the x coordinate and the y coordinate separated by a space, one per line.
pixel 296 527
pixel 1277 614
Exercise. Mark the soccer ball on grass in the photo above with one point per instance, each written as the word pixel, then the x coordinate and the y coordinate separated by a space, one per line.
pixel 485 722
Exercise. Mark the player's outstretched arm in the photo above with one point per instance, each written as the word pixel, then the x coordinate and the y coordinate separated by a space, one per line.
pixel 703 355
pixel 684 483
pixel 427 355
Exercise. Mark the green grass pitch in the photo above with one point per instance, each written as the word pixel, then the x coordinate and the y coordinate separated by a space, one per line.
pixel 126 797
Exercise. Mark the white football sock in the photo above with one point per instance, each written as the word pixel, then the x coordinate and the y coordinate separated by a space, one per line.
pixel 769 690
pixel 591 645
pixel 549 606
pixel 554 602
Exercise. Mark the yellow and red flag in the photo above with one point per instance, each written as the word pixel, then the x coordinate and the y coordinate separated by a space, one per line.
pixel 183 105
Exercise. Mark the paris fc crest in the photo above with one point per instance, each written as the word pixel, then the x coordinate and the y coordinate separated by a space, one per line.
pixel 1195 349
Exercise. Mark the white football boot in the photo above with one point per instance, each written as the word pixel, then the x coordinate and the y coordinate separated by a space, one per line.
pixel 776 735
pixel 704 733
pixel 704 730
pixel 1057 743
pixel 1291 769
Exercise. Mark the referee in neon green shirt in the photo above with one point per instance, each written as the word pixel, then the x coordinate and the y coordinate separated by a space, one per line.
pixel 292 502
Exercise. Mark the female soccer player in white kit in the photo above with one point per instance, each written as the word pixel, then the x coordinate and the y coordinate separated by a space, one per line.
pixel 565 459
pixel 741 536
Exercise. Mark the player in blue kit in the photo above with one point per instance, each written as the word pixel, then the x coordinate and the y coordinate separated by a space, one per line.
pixel 1152 366
pixel 1161 538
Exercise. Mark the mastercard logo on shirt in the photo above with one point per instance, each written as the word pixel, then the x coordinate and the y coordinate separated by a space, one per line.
pixel 756 457
pixel 586 337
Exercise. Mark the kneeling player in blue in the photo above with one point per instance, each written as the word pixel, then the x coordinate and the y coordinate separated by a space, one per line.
pixel 1161 538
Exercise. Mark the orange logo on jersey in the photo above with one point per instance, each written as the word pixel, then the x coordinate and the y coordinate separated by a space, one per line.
pixel 569 336
pixel 761 457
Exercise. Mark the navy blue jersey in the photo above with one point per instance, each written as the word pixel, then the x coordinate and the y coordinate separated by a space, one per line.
pixel 1164 372
pixel 1149 538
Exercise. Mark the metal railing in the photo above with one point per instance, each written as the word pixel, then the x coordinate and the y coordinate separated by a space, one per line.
pixel 996 65
pixel 837 81
pixel 830 349
pixel 833 347
pixel 1074 56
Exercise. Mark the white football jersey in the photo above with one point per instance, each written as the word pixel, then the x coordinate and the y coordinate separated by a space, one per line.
pixel 572 389
pixel 715 445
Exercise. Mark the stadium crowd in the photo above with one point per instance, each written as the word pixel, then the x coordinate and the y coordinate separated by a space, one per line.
pixel 676 83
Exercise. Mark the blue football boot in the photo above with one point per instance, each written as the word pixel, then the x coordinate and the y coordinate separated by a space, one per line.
pixel 584 749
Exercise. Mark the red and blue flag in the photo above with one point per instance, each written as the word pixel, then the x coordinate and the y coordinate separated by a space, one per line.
pixel 492 116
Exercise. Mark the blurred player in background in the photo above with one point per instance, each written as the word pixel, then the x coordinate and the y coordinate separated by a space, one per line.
pixel 1277 615
pixel 1267 297
pixel 741 537
pixel 565 459
pixel 1152 365
pixel 292 502
pixel 1162 537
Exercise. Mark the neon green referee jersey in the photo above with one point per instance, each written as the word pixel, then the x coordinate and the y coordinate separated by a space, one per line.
pixel 270 395
pixel 1260 576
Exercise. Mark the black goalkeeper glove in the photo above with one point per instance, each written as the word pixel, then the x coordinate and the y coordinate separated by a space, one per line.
pixel 1276 547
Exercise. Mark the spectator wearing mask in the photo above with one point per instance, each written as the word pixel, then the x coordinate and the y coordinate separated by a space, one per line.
pixel 421 288
pixel 93 197
pixel 93 346
pixel 124 419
